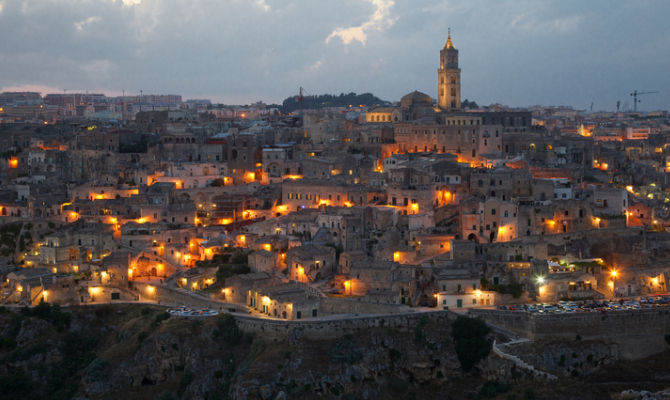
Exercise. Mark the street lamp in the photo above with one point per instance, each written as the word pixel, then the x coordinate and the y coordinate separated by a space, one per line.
pixel 614 274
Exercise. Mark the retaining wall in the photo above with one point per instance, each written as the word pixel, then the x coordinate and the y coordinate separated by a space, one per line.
pixel 637 333
pixel 334 327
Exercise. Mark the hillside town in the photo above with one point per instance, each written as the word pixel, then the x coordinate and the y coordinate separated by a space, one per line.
pixel 364 209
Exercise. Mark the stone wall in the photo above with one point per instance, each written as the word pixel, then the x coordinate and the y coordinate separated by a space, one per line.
pixel 636 333
pixel 175 297
pixel 332 305
pixel 329 328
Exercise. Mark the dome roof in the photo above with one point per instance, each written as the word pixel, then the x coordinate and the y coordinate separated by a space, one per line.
pixel 415 98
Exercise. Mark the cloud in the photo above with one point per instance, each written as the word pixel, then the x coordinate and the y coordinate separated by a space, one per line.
pixel 379 20
pixel 263 5
pixel 86 22
pixel 131 3
pixel 530 23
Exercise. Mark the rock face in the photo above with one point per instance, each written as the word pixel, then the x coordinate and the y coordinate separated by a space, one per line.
pixel 140 352
pixel 574 358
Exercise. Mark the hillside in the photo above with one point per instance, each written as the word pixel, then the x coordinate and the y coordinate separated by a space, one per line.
pixel 140 352
pixel 329 100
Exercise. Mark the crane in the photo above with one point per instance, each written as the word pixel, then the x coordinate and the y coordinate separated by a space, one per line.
pixel 640 93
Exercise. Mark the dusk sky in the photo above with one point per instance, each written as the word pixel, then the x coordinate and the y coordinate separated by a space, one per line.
pixel 514 52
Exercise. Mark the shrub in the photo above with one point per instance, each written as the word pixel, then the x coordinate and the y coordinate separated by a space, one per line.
pixel 493 388
pixel 227 329
pixel 469 337
pixel 160 318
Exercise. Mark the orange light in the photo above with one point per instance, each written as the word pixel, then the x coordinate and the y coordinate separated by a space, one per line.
pixel 396 256
pixel 614 273
pixel 13 162
pixel 281 208
pixel 141 220
pixel 348 204
pixel 324 202
pixel 226 221
pixel 267 247
pixel 415 207
pixel 250 176
pixel 293 177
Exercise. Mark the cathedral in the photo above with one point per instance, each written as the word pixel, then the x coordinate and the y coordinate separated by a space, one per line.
pixel 421 125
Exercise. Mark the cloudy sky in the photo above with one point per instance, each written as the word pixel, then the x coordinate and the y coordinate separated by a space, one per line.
pixel 515 52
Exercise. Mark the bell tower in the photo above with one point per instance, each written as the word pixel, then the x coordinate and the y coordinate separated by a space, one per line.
pixel 449 78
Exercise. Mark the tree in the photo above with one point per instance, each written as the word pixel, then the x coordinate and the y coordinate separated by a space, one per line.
pixel 469 335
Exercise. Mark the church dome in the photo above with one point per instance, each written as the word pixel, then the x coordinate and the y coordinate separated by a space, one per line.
pixel 415 98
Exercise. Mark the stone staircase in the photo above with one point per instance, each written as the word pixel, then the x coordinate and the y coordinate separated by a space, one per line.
pixel 519 362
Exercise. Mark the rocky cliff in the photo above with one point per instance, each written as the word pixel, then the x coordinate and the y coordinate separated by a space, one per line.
pixel 139 352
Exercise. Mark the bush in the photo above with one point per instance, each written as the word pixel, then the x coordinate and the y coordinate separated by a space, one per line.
pixel 493 388
pixel 227 329
pixel 513 288
pixel 185 380
pixel 469 337
pixel 419 335
pixel 160 318
pixel 15 384
pixel 529 394
pixel 51 313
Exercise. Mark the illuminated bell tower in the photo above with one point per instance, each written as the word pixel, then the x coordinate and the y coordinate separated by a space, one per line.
pixel 449 78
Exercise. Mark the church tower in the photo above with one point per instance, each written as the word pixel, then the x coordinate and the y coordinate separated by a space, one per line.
pixel 449 78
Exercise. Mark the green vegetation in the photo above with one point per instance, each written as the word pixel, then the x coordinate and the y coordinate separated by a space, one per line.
pixel 227 329
pixel 468 104
pixel 328 100
pixel 469 335
pixel 160 318
pixel 513 288
pixel 419 334
pixel 491 389
pixel 9 236
pixel 50 313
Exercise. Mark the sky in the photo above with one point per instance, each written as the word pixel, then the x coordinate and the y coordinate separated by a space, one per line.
pixel 513 52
